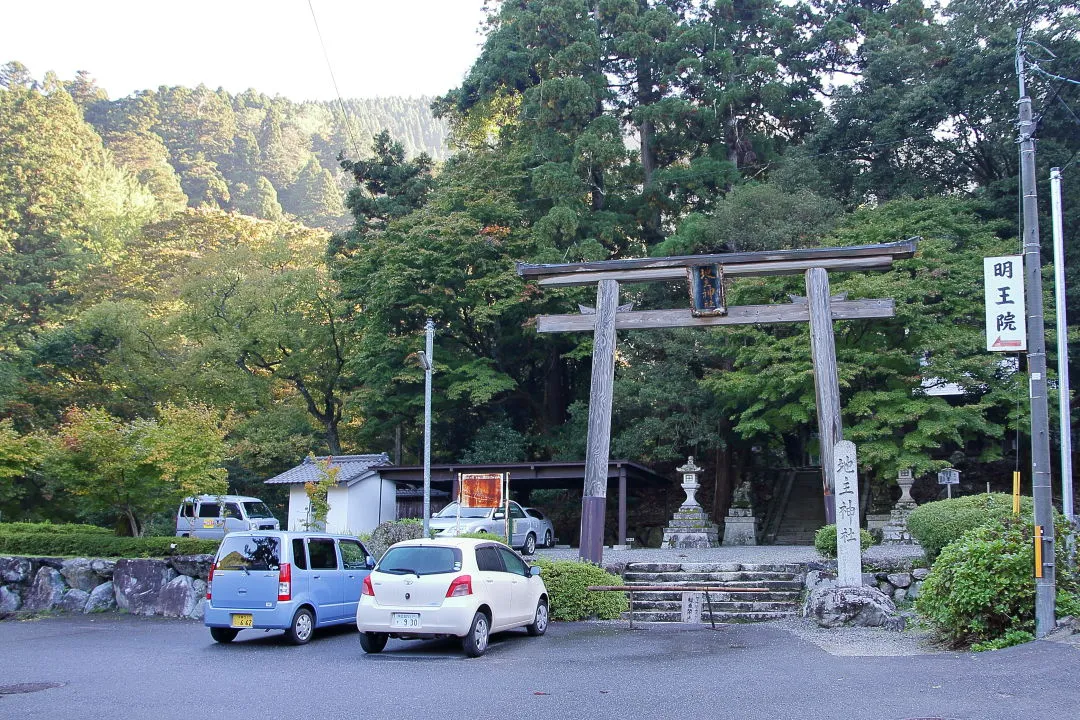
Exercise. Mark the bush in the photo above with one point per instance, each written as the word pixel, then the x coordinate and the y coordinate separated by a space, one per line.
pixel 393 531
pixel 825 540
pixel 103 545
pixel 981 590
pixel 566 581
pixel 46 528
pixel 936 524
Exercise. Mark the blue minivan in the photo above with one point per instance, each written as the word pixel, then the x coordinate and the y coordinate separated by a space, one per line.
pixel 278 580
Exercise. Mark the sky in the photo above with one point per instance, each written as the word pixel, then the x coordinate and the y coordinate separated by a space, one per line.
pixel 377 48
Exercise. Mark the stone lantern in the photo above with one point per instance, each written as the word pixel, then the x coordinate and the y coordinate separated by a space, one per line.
pixel 691 526
pixel 895 532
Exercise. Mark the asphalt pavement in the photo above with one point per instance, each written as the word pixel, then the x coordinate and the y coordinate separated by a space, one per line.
pixel 120 666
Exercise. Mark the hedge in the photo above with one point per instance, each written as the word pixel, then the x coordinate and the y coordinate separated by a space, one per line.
pixel 94 544
pixel 566 581
pixel 46 528
pixel 981 591
pixel 936 524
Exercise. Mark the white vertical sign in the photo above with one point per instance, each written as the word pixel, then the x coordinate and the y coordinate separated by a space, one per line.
pixel 1006 318
pixel 848 541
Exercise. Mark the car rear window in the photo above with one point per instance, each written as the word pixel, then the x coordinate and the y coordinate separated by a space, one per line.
pixel 420 560
pixel 249 553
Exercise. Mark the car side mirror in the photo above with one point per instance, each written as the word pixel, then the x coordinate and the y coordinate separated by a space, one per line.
pixel 534 570
pixel 369 562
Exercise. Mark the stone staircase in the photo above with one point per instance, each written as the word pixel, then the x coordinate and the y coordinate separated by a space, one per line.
pixel 803 514
pixel 783 585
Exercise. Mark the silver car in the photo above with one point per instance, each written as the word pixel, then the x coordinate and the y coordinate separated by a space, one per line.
pixel 528 530
pixel 545 531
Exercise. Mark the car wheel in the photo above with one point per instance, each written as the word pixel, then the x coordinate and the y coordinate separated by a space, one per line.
pixel 223 635
pixel 373 642
pixel 303 625
pixel 530 544
pixel 540 620
pixel 476 642
pixel 548 540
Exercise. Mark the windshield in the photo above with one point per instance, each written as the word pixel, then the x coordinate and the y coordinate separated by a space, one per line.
pixel 257 509
pixel 451 511
pixel 248 553
pixel 420 560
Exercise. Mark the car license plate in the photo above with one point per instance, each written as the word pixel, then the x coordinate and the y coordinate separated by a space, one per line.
pixel 405 620
pixel 241 621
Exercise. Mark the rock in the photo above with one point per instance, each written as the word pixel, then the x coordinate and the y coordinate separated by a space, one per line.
pixel 74 601
pixel 200 590
pixel 196 566
pixel 900 580
pixel 46 590
pixel 179 597
pixel 860 607
pixel 869 579
pixel 104 568
pixel 819 579
pixel 80 574
pixel 14 570
pixel 54 563
pixel 899 595
pixel 102 598
pixel 138 583
pixel 920 573
pixel 9 599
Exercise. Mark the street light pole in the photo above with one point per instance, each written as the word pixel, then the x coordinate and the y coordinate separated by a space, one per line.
pixel 429 328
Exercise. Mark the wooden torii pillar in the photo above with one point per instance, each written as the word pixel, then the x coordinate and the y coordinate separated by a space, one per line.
pixel 819 308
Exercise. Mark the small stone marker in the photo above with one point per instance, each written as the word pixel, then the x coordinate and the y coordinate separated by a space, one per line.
pixel 848 545
pixel 691 607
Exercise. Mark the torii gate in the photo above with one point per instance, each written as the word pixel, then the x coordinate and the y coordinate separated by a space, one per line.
pixel 705 274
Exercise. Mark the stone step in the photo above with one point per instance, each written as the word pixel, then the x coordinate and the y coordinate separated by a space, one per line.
pixel 716 607
pixel 735 617
pixel 780 596
pixel 777 582
pixel 794 568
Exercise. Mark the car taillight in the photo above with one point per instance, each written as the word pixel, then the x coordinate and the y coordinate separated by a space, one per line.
pixel 460 587
pixel 367 589
pixel 210 579
pixel 284 582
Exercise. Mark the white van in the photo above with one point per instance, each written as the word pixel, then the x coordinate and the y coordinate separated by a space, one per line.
pixel 212 516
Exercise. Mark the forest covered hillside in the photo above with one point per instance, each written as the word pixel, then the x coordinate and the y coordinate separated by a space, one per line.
pixel 250 153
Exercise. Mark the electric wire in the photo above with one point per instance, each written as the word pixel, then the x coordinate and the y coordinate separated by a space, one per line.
pixel 333 80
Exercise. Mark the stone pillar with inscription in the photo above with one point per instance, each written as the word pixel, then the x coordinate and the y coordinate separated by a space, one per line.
pixel 691 526
pixel 848 546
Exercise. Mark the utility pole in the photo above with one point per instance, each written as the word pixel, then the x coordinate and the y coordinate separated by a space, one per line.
pixel 1045 583
pixel 429 365
pixel 1064 409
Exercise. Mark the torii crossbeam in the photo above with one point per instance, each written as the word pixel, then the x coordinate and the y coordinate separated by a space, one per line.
pixel 706 274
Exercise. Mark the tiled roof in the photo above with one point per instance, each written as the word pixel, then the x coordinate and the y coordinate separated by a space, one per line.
pixel 352 468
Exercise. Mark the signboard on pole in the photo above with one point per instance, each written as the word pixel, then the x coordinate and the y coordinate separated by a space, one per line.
pixel 482 490
pixel 1006 316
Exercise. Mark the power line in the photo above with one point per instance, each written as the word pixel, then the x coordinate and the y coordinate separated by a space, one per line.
pixel 333 79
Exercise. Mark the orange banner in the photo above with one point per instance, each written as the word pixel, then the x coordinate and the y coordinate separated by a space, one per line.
pixel 481 489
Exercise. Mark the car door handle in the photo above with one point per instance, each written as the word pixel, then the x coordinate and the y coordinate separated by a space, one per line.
pixel 489 580
pixel 316 577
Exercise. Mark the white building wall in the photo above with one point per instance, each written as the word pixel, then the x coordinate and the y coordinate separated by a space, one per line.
pixel 298 507
pixel 338 519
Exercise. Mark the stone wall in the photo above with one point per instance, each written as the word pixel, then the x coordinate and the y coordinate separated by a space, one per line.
pixel 174 587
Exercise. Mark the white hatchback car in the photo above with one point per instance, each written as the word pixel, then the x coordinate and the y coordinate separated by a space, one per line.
pixel 462 587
